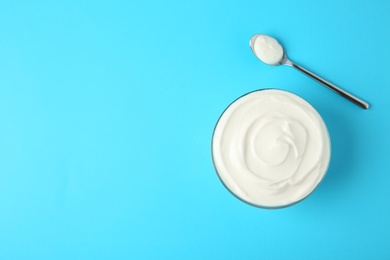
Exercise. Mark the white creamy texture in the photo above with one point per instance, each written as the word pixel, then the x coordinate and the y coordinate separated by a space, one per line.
pixel 271 148
pixel 267 49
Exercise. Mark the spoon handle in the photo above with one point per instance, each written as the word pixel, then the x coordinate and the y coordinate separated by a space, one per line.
pixel 332 87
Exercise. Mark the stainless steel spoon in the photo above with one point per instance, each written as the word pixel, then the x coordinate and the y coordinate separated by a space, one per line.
pixel 285 61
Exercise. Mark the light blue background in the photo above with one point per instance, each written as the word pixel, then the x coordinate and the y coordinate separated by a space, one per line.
pixel 107 110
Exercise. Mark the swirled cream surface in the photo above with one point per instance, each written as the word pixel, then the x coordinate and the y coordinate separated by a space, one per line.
pixel 271 148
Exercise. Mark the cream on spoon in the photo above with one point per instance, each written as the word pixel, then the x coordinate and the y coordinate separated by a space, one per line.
pixel 269 51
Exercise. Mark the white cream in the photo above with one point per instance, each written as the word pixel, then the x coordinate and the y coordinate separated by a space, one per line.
pixel 271 148
pixel 267 49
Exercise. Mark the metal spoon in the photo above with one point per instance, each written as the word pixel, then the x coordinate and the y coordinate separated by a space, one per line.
pixel 285 61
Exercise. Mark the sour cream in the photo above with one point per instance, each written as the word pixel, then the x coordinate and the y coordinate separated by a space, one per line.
pixel 267 49
pixel 271 148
